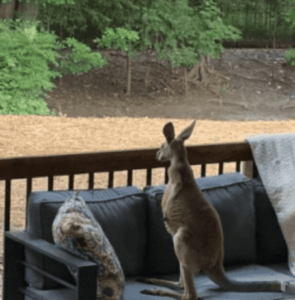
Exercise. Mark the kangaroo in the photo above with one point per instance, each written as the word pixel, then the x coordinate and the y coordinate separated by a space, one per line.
pixel 195 227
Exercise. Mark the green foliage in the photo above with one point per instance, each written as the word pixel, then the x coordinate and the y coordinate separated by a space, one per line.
pixel 212 30
pixel 25 56
pixel 80 60
pixel 88 19
pixel 29 60
pixel 72 20
pixel 260 21
pixel 120 38
pixel 44 2
pixel 188 32
pixel 290 16
pixel 18 104
pixel 223 89
pixel 290 56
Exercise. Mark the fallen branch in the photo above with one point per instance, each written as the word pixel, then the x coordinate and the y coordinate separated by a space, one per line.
pixel 259 79
pixel 260 61
pixel 249 78
pixel 287 106
pixel 146 79
pixel 167 86
pixel 244 66
pixel 221 102
pixel 282 82
pixel 212 71
pixel 194 71
pixel 161 64
pixel 208 89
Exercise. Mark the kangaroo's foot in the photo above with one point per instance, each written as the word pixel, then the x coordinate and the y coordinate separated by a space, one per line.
pixel 156 281
pixel 159 292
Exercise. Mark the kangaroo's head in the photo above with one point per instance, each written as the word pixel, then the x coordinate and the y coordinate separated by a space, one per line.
pixel 174 147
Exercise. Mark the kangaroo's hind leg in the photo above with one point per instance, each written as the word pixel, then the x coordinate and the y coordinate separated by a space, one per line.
pixel 187 272
pixel 188 281
pixel 166 283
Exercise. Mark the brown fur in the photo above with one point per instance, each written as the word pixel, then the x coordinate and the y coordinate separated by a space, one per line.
pixel 194 225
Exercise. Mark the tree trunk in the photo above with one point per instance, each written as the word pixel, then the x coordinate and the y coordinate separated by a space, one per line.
pixel 185 82
pixel 265 15
pixel 128 92
pixel 246 19
pixel 7 10
pixel 274 45
pixel 202 74
pixel 27 11
pixel 275 25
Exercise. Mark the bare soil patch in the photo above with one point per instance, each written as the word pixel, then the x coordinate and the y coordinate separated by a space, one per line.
pixel 250 84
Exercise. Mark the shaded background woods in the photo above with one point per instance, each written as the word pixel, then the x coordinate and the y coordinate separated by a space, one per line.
pixel 261 21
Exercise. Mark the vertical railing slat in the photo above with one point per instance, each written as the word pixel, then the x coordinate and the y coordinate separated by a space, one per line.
pixel 111 179
pixel 220 168
pixel 50 183
pixel 203 170
pixel 71 182
pixel 91 181
pixel 29 190
pixel 255 170
pixel 7 204
pixel 129 178
pixel 149 177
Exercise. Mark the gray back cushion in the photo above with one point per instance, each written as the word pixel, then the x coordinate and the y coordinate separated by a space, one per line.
pixel 271 245
pixel 122 214
pixel 232 196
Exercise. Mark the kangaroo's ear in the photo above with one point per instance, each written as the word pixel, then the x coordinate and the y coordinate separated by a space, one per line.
pixel 186 133
pixel 168 132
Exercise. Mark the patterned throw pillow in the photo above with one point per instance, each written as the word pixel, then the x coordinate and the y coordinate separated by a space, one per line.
pixel 76 230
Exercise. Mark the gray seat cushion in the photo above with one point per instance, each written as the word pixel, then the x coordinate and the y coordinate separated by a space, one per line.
pixel 122 213
pixel 271 245
pixel 232 196
pixel 205 287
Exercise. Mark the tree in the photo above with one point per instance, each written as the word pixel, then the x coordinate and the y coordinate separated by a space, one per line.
pixel 88 19
pixel 189 33
pixel 290 19
pixel 30 59
pixel 7 9
pixel 122 39
pixel 25 10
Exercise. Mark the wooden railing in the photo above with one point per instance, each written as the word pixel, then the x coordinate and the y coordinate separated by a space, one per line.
pixel 90 163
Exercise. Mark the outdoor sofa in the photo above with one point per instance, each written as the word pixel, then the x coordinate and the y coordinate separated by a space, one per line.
pixel 132 220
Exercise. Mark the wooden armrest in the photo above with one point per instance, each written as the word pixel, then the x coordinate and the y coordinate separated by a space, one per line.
pixel 15 286
pixel 48 249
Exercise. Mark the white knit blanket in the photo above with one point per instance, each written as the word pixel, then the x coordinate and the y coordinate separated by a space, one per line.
pixel 274 156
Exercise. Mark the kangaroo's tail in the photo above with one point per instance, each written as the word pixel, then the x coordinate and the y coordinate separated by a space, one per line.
pixel 220 278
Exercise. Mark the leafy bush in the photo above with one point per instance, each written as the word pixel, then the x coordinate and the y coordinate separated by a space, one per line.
pixel 25 56
pixel 290 56
pixel 188 33
pixel 26 60
pixel 80 60
pixel 121 38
